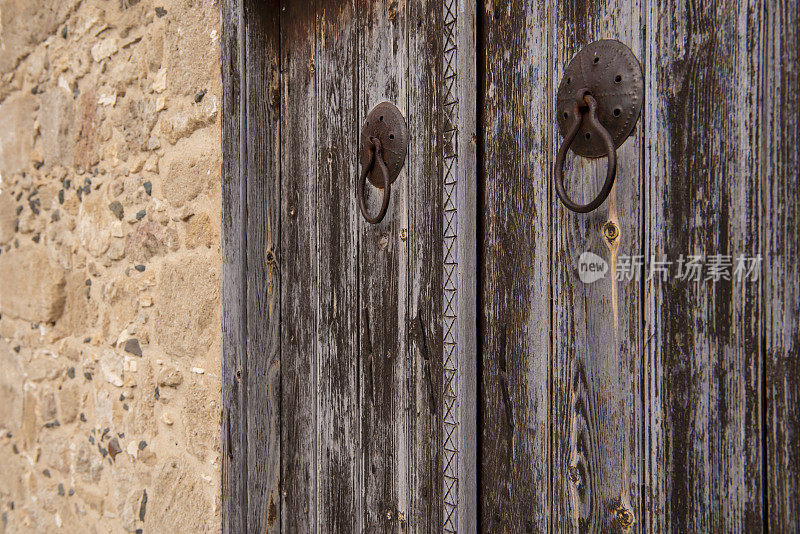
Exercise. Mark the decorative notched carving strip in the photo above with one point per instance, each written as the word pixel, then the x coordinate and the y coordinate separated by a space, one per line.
pixel 450 242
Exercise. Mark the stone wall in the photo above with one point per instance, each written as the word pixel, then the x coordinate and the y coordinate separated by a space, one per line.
pixel 109 266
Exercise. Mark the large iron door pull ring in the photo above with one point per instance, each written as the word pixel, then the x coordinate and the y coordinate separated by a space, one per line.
pixel 375 149
pixel 597 106
pixel 384 143
pixel 595 126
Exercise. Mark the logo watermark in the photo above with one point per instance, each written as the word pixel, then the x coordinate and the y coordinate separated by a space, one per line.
pixel 591 267
pixel 692 267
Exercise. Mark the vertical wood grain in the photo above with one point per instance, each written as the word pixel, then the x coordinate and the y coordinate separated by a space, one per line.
pixel 364 442
pixel 423 234
pixel 298 268
pixel 262 380
pixel 340 490
pixel 383 283
pixel 703 163
pixel 649 405
pixel 597 327
pixel 515 280
pixel 466 152
pixel 234 468
pixel 779 136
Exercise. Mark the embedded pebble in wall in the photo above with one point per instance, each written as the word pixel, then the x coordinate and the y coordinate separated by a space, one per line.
pixel 132 346
pixel 114 448
pixel 117 209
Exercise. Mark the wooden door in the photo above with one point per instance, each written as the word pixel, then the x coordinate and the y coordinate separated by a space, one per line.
pixel 351 373
pixel 641 403
pixel 447 370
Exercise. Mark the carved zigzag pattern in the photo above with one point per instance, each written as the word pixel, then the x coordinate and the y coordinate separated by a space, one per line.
pixel 450 392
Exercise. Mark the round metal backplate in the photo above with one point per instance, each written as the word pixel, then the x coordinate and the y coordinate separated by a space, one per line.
pixel 387 123
pixel 609 70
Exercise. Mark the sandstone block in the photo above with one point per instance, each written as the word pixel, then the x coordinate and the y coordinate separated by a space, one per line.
pixel 33 286
pixel 8 217
pixel 86 132
pixel 17 115
pixel 42 366
pixel 11 382
pixel 68 402
pixel 202 439
pixel 55 453
pixel 148 240
pixel 94 224
pixel 55 125
pixel 185 122
pixel 26 23
pixel 29 407
pixel 191 53
pixel 111 364
pixel 187 311
pixel 9 404
pixel 180 502
pixel 201 231
pixel 89 464
pixel 92 496
pixel 170 377
pixel 48 408
pixel 188 176
pixel 103 49
pixel 128 496
pixel 79 310
pixel 139 117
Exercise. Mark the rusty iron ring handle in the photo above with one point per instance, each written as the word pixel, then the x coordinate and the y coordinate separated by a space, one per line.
pixel 594 124
pixel 377 156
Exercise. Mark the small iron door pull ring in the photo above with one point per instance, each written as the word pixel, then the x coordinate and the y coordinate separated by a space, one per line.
pixel 383 148
pixel 375 149
pixel 595 126
pixel 598 104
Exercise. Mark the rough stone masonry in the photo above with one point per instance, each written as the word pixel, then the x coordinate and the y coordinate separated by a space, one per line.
pixel 109 266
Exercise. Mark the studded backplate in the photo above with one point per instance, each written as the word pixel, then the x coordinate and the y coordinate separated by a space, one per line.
pixel 612 74
pixel 387 123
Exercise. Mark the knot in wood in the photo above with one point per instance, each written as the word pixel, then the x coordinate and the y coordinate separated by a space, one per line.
pixel 611 231
pixel 575 475
pixel 625 517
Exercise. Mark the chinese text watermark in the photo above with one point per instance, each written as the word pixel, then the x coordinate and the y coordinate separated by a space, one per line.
pixel 691 267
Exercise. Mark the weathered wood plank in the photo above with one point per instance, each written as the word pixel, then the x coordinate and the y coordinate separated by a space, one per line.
pixel 515 278
pixel 597 336
pixel 423 234
pixel 261 376
pixel 779 139
pixel 339 485
pixel 703 198
pixel 462 17
pixel 411 381
pixel 234 468
pixel 300 395
pixel 383 275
